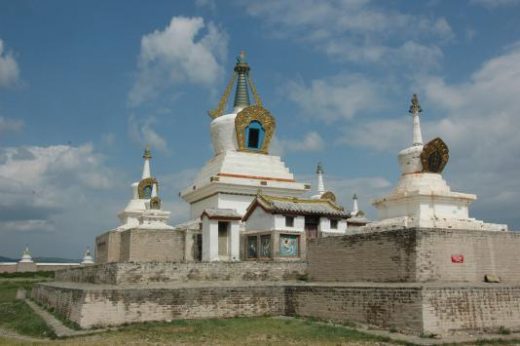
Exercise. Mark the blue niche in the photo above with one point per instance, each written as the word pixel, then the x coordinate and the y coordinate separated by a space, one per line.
pixel 255 135
pixel 147 192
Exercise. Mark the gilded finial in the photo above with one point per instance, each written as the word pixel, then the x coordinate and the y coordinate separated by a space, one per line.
pixel 147 153
pixel 243 81
pixel 319 168
pixel 415 107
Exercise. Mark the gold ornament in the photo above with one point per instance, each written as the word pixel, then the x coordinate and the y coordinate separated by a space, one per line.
pixel 434 156
pixel 329 195
pixel 245 117
pixel 155 203
pixel 144 183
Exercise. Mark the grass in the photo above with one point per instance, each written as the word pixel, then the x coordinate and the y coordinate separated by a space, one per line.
pixel 233 331
pixel 16 315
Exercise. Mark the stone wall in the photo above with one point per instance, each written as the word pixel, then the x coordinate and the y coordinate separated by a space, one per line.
pixel 416 255
pixel 385 305
pixel 108 246
pixel 104 307
pixel 484 253
pixel 8 267
pixel 139 245
pixel 488 307
pixel 135 273
pixel 378 256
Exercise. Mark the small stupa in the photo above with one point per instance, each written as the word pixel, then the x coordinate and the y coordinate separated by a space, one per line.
pixel 87 258
pixel 422 198
pixel 26 256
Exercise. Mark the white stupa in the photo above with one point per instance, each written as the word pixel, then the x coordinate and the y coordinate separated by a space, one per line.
pixel 87 258
pixel 144 209
pixel 242 163
pixel 320 189
pixel 422 198
pixel 26 256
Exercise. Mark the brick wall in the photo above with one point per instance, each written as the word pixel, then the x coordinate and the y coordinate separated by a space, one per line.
pixel 138 245
pixel 387 307
pixel 471 308
pixel 416 255
pixel 105 307
pixel 117 273
pixel 379 256
pixel 495 253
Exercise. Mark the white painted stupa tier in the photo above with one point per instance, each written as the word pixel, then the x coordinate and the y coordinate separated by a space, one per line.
pixel 242 164
pixel 231 179
pixel 422 198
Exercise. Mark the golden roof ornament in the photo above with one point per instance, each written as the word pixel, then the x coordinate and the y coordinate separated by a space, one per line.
pixel 415 107
pixel 435 156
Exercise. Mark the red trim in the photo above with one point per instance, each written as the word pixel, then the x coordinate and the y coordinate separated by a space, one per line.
pixel 253 177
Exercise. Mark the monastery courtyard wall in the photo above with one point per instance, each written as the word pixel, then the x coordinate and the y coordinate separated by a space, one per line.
pixel 400 279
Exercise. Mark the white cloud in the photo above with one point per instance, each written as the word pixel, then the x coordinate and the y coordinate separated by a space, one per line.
pixel 181 53
pixel 495 3
pixel 37 183
pixel 312 141
pixel 10 125
pixel 336 98
pixel 9 70
pixel 143 133
pixel 355 30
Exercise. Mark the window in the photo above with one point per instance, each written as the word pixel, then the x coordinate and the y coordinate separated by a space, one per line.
pixel 333 224
pixel 289 221
pixel 252 141
pixel 255 134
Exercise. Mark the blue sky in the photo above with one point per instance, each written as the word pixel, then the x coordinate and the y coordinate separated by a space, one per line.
pixel 84 85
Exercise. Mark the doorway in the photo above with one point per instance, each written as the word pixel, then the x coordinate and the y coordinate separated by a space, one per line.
pixel 223 233
pixel 311 227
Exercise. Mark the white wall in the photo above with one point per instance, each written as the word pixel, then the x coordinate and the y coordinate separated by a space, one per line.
pixel 259 220
pixel 299 223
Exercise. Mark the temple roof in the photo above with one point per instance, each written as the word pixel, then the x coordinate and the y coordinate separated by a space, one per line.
pixel 296 206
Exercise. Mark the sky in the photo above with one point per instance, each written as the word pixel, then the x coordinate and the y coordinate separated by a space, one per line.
pixel 85 85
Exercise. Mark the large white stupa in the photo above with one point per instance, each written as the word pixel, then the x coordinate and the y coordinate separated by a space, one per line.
pixel 242 164
pixel 422 198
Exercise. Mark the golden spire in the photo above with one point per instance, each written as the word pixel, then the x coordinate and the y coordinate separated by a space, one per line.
pixel 243 80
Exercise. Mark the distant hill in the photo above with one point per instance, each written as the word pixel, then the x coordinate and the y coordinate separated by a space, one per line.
pixel 42 260
pixel 55 260
pixel 7 259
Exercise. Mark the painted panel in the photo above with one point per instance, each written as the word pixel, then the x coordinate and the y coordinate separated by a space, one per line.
pixel 265 246
pixel 289 245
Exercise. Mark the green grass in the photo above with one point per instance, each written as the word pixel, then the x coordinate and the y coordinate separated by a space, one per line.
pixel 261 330
pixel 15 314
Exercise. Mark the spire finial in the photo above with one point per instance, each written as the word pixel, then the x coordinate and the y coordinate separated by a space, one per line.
pixel 242 92
pixel 319 168
pixel 355 196
pixel 415 107
pixel 147 153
